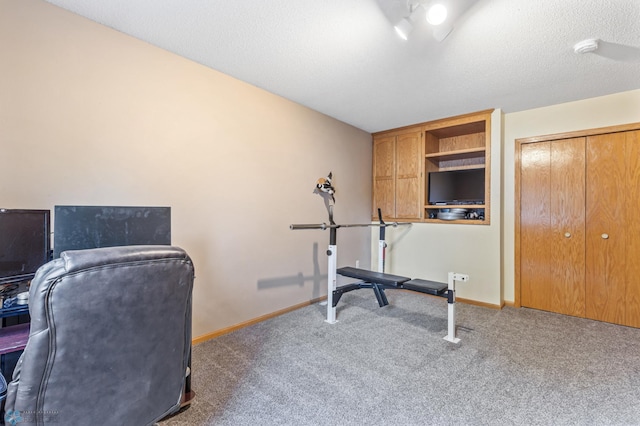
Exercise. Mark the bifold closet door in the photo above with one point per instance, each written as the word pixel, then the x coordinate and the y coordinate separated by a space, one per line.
pixel 613 227
pixel 633 229
pixel 535 225
pixel 552 226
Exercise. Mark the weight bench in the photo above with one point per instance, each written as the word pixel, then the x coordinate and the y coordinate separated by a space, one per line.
pixel 379 282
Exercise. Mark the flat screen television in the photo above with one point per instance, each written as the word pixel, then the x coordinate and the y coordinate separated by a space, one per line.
pixel 85 227
pixel 457 187
pixel 24 243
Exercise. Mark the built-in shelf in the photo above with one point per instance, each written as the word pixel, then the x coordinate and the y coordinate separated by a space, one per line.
pixel 456 206
pixel 459 154
pixel 457 221
pixel 458 143
pixel 401 185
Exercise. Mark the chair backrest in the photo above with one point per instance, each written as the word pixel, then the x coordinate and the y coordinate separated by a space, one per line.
pixel 110 338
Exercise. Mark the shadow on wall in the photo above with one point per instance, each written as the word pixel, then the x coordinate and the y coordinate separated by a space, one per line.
pixel 299 279
pixel 618 52
pixel 399 236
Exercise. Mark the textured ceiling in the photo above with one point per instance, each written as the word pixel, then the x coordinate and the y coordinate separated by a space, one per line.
pixel 343 58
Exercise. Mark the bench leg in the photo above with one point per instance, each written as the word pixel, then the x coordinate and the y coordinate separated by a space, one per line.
pixel 380 295
pixel 451 308
pixel 451 305
pixel 378 290
pixel 332 280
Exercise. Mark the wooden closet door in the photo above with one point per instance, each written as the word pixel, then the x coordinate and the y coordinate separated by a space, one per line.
pixel 568 226
pixel 535 225
pixel 632 229
pixel 552 226
pixel 606 235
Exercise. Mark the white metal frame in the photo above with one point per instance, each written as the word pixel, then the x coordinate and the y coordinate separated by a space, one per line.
pixel 451 305
pixel 332 275
pixel 332 278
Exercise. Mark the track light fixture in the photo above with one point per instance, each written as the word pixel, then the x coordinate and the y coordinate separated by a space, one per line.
pixel 405 25
pixel 404 28
pixel 436 14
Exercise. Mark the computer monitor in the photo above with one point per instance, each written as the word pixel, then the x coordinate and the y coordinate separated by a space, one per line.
pixel 24 243
pixel 85 227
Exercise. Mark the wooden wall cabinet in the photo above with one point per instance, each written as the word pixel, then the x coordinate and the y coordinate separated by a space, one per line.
pixel 403 159
pixel 397 175
pixel 577 224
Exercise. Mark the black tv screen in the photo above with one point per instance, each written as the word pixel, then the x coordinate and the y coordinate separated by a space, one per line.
pixel 24 243
pixel 456 187
pixel 85 227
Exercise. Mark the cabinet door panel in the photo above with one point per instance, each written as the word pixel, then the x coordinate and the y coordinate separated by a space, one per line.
pixel 568 226
pixel 605 235
pixel 384 177
pixel 408 176
pixel 408 155
pixel 535 225
pixel 633 228
pixel 384 159
pixel 407 196
pixel 385 197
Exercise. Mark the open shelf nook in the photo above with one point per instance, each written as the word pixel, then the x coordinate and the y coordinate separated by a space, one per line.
pixel 401 185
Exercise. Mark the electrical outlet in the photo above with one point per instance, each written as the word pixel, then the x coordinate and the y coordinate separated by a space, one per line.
pixel 357 263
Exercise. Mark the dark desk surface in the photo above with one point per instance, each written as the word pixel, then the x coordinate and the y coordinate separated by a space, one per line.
pixel 13 338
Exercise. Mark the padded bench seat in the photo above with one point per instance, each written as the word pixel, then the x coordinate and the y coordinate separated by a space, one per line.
pixel 379 282
pixel 425 286
pixel 374 277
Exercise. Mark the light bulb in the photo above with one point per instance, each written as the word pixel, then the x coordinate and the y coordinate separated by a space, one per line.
pixel 436 14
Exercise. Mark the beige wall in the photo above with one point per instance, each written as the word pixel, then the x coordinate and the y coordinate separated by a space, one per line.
pixel 621 108
pixel 90 116
pixel 432 250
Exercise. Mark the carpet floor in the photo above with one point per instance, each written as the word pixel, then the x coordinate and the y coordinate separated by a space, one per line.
pixel 391 366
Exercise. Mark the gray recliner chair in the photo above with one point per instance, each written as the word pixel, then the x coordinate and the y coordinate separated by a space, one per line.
pixel 110 338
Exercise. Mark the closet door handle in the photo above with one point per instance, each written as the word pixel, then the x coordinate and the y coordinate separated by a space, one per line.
pixel 605 236
pixel 567 234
